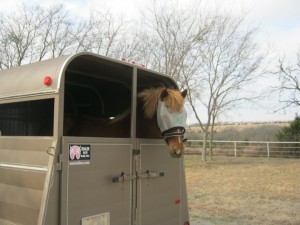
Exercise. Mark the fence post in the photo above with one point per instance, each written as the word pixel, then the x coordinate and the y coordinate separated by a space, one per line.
pixel 235 149
pixel 268 149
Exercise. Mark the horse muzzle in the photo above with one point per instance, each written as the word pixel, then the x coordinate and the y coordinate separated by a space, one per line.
pixel 175 141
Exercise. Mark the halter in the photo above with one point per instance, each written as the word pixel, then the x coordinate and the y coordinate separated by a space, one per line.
pixel 175 132
pixel 171 124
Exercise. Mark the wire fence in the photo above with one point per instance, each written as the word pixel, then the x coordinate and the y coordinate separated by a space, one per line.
pixel 247 148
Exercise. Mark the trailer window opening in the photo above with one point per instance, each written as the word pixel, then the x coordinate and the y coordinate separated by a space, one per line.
pixel 146 80
pixel 97 99
pixel 30 118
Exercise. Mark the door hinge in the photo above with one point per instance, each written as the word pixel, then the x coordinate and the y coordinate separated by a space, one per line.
pixel 59 163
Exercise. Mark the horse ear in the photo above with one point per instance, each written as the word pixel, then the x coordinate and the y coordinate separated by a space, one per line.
pixel 164 94
pixel 184 93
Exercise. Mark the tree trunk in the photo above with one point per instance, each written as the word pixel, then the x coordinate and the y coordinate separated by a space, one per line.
pixel 210 148
pixel 204 146
pixel 211 137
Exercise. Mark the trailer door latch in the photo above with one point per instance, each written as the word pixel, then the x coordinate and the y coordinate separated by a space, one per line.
pixel 123 177
pixel 149 174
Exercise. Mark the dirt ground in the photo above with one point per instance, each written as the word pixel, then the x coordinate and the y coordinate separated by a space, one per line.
pixel 243 190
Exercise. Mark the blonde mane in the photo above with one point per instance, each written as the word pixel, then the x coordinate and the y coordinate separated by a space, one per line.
pixel 150 97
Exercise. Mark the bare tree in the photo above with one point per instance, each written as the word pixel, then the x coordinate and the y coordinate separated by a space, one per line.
pixel 213 55
pixel 171 33
pixel 55 34
pixel 289 83
pixel 105 32
pixel 19 30
pixel 230 60
pixel 176 37
pixel 33 33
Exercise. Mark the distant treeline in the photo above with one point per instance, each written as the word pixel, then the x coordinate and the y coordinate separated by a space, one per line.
pixel 260 132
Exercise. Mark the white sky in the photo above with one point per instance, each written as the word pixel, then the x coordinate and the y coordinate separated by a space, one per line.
pixel 279 22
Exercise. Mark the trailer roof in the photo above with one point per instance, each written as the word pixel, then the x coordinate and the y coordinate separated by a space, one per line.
pixel 28 80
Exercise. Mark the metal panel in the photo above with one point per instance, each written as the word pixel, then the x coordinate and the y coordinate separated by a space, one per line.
pixel 29 182
pixel 28 80
pixel 24 178
pixel 87 186
pixel 161 198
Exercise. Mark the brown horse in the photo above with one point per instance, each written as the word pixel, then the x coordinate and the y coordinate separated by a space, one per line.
pixel 162 119
pixel 147 125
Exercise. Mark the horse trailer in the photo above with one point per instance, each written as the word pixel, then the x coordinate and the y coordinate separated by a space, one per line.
pixel 51 175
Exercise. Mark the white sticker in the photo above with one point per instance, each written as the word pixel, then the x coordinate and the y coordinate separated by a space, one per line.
pixel 99 219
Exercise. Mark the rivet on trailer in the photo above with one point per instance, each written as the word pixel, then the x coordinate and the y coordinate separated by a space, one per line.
pixel 89 140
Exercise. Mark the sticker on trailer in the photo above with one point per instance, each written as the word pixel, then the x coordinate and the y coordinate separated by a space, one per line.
pixel 100 219
pixel 79 154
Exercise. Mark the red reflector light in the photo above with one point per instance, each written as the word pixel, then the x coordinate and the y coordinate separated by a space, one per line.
pixel 47 80
pixel 177 201
pixel 186 223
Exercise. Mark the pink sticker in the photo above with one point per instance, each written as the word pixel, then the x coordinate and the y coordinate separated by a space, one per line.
pixel 75 151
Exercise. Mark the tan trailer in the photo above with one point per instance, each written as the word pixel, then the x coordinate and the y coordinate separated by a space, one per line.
pixel 118 179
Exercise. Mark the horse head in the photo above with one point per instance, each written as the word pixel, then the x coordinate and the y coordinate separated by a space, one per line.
pixel 171 119
pixel 168 105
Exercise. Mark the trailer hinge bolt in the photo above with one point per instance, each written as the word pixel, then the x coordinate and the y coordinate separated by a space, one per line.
pixel 136 151
pixel 59 163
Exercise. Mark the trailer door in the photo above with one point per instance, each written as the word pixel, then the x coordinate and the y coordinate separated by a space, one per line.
pixel 161 186
pixel 89 195
pixel 26 164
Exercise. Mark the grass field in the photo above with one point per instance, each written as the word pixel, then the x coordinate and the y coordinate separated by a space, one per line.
pixel 243 191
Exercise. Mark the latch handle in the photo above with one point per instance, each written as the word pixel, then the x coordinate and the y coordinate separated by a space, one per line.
pixel 123 177
pixel 149 174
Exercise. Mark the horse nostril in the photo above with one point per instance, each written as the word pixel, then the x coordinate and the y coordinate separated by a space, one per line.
pixel 176 153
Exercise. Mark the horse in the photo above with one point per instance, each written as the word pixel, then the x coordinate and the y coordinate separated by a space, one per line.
pixel 165 109
pixel 157 109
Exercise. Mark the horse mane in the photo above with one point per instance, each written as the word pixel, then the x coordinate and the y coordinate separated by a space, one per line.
pixel 151 96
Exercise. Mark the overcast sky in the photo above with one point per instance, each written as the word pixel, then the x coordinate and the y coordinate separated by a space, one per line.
pixel 278 20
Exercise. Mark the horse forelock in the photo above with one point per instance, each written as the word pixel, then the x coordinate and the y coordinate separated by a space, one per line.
pixel 151 96
pixel 174 100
